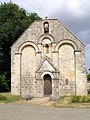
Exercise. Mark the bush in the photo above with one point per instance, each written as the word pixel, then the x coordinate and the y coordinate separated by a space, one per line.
pixel 81 99
pixel 88 91
pixel 85 99
pixel 3 84
pixel 76 99
pixel 88 77
pixel 2 98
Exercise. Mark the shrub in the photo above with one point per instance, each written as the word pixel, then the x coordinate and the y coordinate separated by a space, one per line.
pixel 88 77
pixel 3 83
pixel 85 99
pixel 88 91
pixel 81 99
pixel 2 98
pixel 76 99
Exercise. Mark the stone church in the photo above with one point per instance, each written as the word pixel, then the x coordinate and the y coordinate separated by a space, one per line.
pixel 48 59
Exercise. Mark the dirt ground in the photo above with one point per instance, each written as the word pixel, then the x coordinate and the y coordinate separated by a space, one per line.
pixel 40 102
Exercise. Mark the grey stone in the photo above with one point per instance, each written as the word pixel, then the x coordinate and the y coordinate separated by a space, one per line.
pixel 27 97
pixel 54 97
pixel 57 53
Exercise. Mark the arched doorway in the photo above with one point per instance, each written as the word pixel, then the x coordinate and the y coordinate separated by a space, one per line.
pixel 47 84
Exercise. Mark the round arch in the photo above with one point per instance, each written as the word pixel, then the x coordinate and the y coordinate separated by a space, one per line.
pixel 48 36
pixel 45 73
pixel 26 44
pixel 47 84
pixel 70 42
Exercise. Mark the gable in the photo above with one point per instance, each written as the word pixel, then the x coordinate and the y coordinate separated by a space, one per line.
pixel 46 66
pixel 56 29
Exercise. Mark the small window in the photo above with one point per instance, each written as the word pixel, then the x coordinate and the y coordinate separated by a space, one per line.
pixel 66 82
pixel 46 27
pixel 47 48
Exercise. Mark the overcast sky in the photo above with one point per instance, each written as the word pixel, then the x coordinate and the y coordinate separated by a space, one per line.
pixel 74 14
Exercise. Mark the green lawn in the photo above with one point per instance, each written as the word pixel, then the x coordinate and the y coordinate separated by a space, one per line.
pixel 63 102
pixel 73 102
pixel 7 97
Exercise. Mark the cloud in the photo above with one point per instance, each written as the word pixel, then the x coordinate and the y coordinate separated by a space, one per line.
pixel 74 14
pixel 85 36
pixel 88 56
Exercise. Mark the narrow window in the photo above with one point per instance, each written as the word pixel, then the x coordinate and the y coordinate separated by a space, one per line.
pixel 47 48
pixel 66 82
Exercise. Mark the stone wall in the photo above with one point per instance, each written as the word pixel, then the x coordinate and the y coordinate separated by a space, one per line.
pixel 28 68
pixel 67 69
pixel 64 62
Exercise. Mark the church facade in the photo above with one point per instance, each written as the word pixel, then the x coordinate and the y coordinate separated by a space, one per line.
pixel 48 59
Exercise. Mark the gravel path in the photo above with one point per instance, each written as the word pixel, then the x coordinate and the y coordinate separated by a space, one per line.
pixel 40 101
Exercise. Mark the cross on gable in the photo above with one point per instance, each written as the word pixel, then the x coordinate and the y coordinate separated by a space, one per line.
pixel 46 17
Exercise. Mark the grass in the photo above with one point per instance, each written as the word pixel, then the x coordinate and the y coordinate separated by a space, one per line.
pixel 81 99
pixel 7 98
pixel 73 102
pixel 63 102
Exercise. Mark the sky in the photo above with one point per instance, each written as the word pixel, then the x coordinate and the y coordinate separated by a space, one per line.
pixel 74 14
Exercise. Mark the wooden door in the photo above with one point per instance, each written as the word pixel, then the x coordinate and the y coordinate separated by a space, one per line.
pixel 47 85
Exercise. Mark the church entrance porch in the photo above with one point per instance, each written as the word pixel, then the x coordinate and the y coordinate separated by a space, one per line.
pixel 47 85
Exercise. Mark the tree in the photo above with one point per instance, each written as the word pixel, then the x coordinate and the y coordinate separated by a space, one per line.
pixel 88 77
pixel 33 17
pixel 3 84
pixel 13 22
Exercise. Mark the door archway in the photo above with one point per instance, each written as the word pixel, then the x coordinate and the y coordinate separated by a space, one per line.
pixel 47 85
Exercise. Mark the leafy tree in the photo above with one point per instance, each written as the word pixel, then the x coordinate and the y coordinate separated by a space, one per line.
pixel 33 17
pixel 88 77
pixel 13 21
pixel 3 84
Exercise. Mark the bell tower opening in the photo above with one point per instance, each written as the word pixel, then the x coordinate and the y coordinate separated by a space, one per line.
pixel 46 27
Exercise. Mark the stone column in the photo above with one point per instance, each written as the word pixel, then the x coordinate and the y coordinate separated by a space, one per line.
pixel 55 59
pixel 38 59
pixel 80 79
pixel 16 74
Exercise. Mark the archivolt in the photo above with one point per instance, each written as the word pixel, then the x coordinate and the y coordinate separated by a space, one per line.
pixel 46 36
pixel 47 72
pixel 72 43
pixel 26 44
